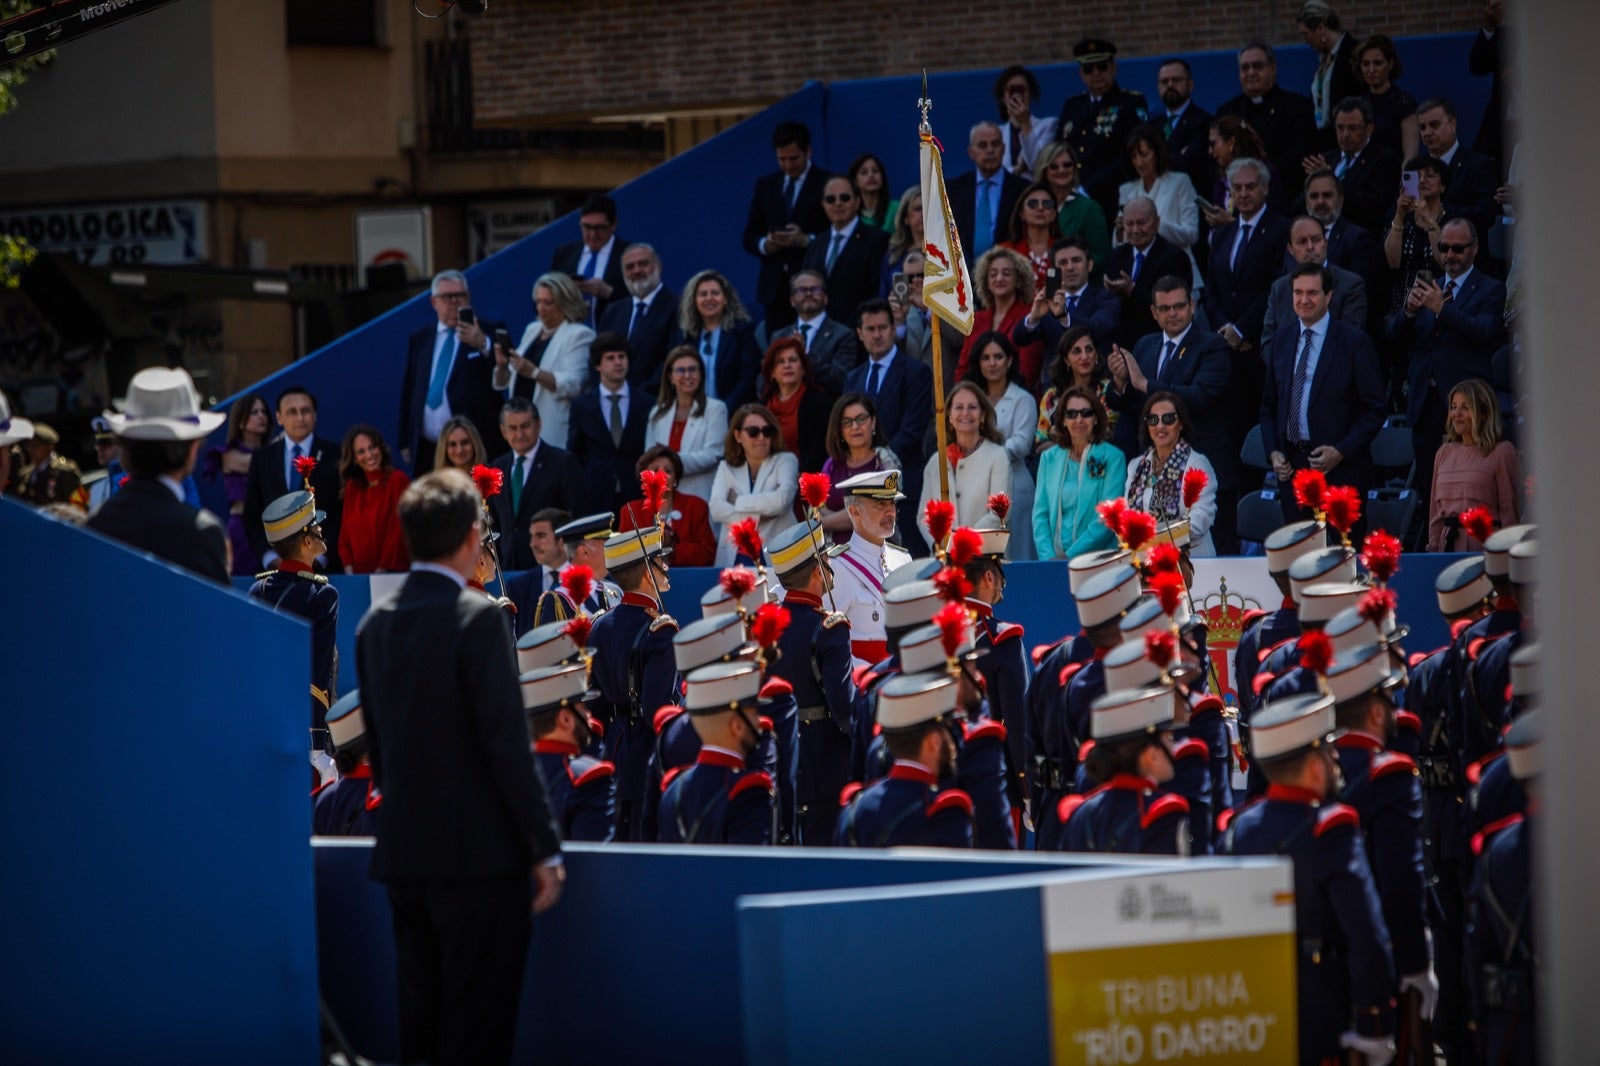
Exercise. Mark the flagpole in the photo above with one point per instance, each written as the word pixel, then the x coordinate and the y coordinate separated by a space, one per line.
pixel 925 131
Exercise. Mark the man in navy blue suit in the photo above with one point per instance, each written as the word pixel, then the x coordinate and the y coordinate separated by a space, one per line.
pixel 1186 124
pixel 536 475
pixel 606 430
pixel 849 253
pixel 1452 330
pixel 1474 178
pixel 1076 303
pixel 448 371
pixel 272 474
pixel 595 261
pixel 784 208
pixel 1349 245
pixel 901 388
pixel 984 221
pixel 646 317
pixel 1368 172
pixel 1323 398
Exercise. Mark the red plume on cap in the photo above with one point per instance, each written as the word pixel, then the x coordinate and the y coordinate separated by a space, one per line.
pixel 1344 509
pixel 579 582
pixel 746 536
pixel 954 622
pixel 952 584
pixel 1168 589
pixel 653 483
pixel 1000 504
pixel 1478 523
pixel 1161 647
pixel 814 489
pixel 1194 483
pixel 577 629
pixel 768 623
pixel 1163 559
pixel 1377 605
pixel 940 516
pixel 1310 490
pixel 1138 529
pixel 1380 554
pixel 307 463
pixel 1316 651
pixel 488 479
pixel 738 582
pixel 1111 512
pixel 965 544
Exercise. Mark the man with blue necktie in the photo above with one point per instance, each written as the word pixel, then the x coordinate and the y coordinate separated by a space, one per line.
pixel 448 372
pixel 595 261
pixel 983 201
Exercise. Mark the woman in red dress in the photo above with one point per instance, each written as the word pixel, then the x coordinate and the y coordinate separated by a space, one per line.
pixel 370 541
pixel 688 532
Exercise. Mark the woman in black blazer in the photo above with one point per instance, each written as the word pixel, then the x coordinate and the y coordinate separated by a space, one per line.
pixel 713 321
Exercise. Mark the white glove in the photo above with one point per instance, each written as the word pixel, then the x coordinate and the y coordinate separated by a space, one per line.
pixel 1379 1050
pixel 1427 984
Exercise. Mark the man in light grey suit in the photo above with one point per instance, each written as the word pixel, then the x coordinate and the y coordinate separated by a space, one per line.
pixel 1309 244
pixel 830 345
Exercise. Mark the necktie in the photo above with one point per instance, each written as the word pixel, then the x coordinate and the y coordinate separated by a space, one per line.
pixel 789 187
pixel 804 330
pixel 1166 353
pixel 1072 306
pixel 516 484
pixel 1344 165
pixel 586 272
pixel 638 313
pixel 1172 120
pixel 441 370
pixel 1297 388
pixel 1138 265
pixel 295 453
pixel 1238 249
pixel 983 225
pixel 833 250
pixel 616 418
pixel 1449 289
pixel 874 379
pixel 552 580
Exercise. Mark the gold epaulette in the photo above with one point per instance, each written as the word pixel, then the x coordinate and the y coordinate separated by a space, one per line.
pixel 662 621
pixel 835 618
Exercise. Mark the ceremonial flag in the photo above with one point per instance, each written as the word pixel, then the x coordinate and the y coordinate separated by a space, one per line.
pixel 946 285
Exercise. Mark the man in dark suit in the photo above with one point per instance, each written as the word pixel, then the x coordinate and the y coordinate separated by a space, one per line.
pixel 1284 120
pixel 784 208
pixel 1368 173
pixel 1323 399
pixel 1134 268
pixel 465 821
pixel 1246 256
pixel 595 261
pixel 1489 50
pixel 605 432
pixel 1349 246
pixel 159 431
pixel 830 344
pixel 849 252
pixel 1186 124
pixel 646 316
pixel 1076 303
pixel 1474 178
pixel 1308 244
pixel 272 474
pixel 537 475
pixel 1451 330
pixel 448 371
pixel 901 388
pixel 987 194
pixel 1196 366
pixel 1335 78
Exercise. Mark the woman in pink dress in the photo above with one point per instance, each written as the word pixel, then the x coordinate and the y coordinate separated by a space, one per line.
pixel 1476 467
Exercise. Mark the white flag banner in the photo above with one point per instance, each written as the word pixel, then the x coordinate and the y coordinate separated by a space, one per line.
pixel 946 285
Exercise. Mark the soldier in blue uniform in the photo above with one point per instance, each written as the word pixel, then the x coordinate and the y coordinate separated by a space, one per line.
pixel 917 716
pixel 633 670
pixel 1482 702
pixel 1383 787
pixel 908 604
pixel 1002 657
pixel 348 805
pixel 555 605
pixel 1346 983
pixel 1319 605
pixel 294 530
pixel 1497 795
pixel 548 645
pixel 1127 812
pixel 1262 631
pixel 1097 122
pixel 1505 616
pixel 579 785
pixel 719 799
pixel 1326 566
pixel 1501 944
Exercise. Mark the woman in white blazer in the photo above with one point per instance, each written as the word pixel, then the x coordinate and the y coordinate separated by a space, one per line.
pixel 551 363
pixel 755 479
pixel 1016 416
pixel 982 466
pixel 688 421
pixel 1155 477
pixel 1171 190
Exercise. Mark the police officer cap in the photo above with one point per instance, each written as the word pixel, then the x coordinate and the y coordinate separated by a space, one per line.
pixel 1128 667
pixel 1360 671
pixel 632 547
pixel 908 701
pixel 721 687
pixel 1348 629
pixel 552 688
pixel 102 430
pixel 717 601
pixel 1524 561
pixel 1320 602
pixel 1289 726
pixel 543 646
pixel 708 640
pixel 1462 585
pixel 346 724
pixel 923 649
pixel 288 515
pixel 589 527
pixel 1086 565
pixel 1525 673
pixel 1497 549
pixel 796 546
pixel 1094 50
pixel 1522 744
pixel 910 605
pixel 12 430
pixel 1107 596
pixel 1326 565
pixel 875 484
pixel 1131 713
pixel 915 570
pixel 1287 543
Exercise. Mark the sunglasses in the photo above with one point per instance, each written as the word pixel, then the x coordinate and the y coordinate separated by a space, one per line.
pixel 1168 419
pixel 1037 203
pixel 1080 412
pixel 838 198
pixel 1094 68
pixel 760 431
pixel 1455 249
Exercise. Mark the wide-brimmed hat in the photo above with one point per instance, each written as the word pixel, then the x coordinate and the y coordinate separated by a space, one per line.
pixel 12 430
pixel 163 404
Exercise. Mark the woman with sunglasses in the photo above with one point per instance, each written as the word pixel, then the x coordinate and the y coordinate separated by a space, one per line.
pixel 1014 413
pixel 856 445
pixel 1034 229
pixel 688 421
pixel 756 479
pixel 1082 470
pixel 1056 166
pixel 979 465
pixel 1078 364
pixel 1155 478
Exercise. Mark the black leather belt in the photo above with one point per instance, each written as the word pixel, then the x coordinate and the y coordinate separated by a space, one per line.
pixel 812 714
